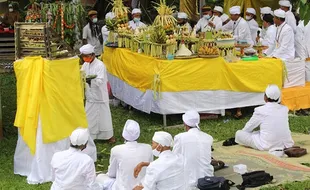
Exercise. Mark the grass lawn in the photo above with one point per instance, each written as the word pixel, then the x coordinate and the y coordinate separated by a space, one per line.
pixel 220 129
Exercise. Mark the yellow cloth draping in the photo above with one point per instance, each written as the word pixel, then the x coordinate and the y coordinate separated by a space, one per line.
pixel 296 98
pixel 198 74
pixel 52 90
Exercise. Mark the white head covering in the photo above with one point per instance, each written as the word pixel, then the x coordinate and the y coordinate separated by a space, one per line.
pixel 251 10
pixel 131 131
pixel 285 3
pixel 279 13
pixel 235 10
pixel 79 136
pixel 87 49
pixel 136 11
pixel 266 10
pixel 191 118
pixel 109 15
pixel 224 17
pixel 182 15
pixel 218 8
pixel 163 138
pixel 273 92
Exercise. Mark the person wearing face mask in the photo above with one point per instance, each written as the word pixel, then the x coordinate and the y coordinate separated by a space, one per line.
pixel 182 19
pixel 73 169
pixel 195 146
pixel 92 33
pixel 136 19
pixel 290 19
pixel 227 23
pixel 269 38
pixel 124 158
pixel 97 98
pixel 11 17
pixel 251 20
pixel 166 172
pixel 208 22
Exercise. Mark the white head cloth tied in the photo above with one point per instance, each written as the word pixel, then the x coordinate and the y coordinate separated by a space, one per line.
pixel 273 92
pixel 136 11
pixel 191 118
pixel 266 10
pixel 235 10
pixel 285 3
pixel 109 15
pixel 279 13
pixel 182 15
pixel 131 131
pixel 79 137
pixel 251 10
pixel 218 8
pixel 87 49
pixel 224 17
pixel 163 138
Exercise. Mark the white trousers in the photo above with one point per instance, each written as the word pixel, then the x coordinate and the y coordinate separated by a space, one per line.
pixel 245 138
pixel 105 181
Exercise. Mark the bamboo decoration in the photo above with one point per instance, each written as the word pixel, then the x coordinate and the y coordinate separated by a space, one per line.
pixel 62 21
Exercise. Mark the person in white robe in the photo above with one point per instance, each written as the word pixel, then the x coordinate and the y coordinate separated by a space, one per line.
pixel 182 19
pixel 124 158
pixel 269 38
pixel 264 11
pixel 300 45
pixel 251 20
pixel 285 48
pixel 73 169
pixel 241 29
pixel 104 30
pixel 195 146
pixel 97 97
pixel 166 172
pixel 272 119
pixel 136 19
pixel 218 11
pixel 209 21
pixel 228 24
pixel 290 19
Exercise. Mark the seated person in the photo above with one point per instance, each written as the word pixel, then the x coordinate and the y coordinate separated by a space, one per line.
pixel 182 19
pixel 124 158
pixel 272 119
pixel 195 146
pixel 73 169
pixel 136 19
pixel 165 173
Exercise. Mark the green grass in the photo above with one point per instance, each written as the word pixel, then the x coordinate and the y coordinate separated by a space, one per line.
pixel 220 129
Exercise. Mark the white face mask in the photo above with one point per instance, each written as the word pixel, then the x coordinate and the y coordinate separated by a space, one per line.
pixel 155 152
pixel 206 17
pixel 248 17
pixel 10 10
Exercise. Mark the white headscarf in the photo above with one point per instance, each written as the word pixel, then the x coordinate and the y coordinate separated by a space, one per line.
pixel 131 131
pixel 191 118
pixel 279 13
pixel 224 17
pixel 266 10
pixel 251 10
pixel 87 49
pixel 235 10
pixel 182 15
pixel 163 138
pixel 273 92
pixel 218 8
pixel 109 15
pixel 79 137
pixel 285 3
pixel 136 11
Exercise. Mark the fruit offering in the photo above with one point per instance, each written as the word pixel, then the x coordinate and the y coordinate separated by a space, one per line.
pixel 208 50
pixel 120 12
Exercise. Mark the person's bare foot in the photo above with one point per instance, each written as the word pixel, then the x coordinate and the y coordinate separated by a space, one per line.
pixel 112 140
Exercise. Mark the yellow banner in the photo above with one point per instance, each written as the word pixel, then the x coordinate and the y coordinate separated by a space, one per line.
pixel 51 90
pixel 140 71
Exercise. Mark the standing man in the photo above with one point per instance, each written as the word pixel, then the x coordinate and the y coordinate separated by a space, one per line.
pixel 166 172
pixel 92 33
pixel 97 97
pixel 136 19
pixel 208 22
pixel 218 11
pixel 286 6
pixel 241 29
pixel 124 158
pixel 251 19
pixel 195 146
pixel 285 48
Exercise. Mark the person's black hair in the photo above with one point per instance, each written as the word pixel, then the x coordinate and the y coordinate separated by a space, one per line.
pixel 268 18
pixel 254 17
pixel 282 19
pixel 95 29
pixel 272 100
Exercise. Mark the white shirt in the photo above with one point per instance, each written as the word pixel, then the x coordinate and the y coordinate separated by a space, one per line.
pixel 307 39
pixel 105 33
pixel 269 39
pixel 73 169
pixel 272 119
pixel 188 26
pixel 165 173
pixel 228 27
pixel 300 44
pixel 123 160
pixel 241 31
pixel 203 24
pixel 98 91
pixel 285 48
pixel 253 28
pixel 290 20
pixel 92 40
pixel 195 146
pixel 135 25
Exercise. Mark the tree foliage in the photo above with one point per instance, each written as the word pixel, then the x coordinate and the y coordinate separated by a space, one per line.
pixel 304 11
